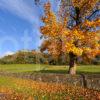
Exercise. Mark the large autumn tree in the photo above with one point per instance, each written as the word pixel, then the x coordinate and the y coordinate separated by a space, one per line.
pixel 74 32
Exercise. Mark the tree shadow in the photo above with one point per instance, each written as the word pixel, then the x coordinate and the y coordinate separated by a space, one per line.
pixel 55 71
pixel 66 72
pixel 89 73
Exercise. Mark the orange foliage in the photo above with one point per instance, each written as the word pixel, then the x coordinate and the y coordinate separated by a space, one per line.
pixel 79 39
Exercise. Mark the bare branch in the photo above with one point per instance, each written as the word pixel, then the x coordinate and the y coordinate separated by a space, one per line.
pixel 93 14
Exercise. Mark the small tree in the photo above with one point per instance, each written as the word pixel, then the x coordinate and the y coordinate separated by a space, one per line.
pixel 81 37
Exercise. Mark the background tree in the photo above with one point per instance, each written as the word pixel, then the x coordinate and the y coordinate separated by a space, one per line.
pixel 74 33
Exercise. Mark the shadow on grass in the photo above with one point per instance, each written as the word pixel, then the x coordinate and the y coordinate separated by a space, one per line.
pixel 66 72
pixel 55 71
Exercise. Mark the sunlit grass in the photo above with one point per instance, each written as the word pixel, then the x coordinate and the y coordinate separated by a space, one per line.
pixel 16 68
pixel 21 67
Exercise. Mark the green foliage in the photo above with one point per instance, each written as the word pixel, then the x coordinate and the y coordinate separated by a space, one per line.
pixel 35 57
pixel 24 57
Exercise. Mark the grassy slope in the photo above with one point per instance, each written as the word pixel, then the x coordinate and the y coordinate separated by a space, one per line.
pixel 48 68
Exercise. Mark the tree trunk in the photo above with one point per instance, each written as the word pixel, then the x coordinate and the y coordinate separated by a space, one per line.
pixel 73 57
pixel 72 64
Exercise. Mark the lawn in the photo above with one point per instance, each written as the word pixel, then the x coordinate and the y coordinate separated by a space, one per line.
pixel 15 68
pixel 21 67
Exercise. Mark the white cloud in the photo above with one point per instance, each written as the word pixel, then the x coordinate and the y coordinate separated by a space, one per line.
pixel 7 53
pixel 21 9
pixel 24 10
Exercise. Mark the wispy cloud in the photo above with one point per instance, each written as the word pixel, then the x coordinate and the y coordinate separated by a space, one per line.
pixel 6 54
pixel 22 9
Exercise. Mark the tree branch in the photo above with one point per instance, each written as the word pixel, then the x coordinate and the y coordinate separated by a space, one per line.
pixel 72 17
pixel 92 14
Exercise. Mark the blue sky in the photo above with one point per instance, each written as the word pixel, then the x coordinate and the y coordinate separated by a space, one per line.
pixel 19 25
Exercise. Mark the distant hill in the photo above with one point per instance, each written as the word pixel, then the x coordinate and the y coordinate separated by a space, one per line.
pixel 24 56
pixel 36 57
pixel 6 54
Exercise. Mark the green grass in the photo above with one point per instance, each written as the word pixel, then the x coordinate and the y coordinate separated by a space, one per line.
pixel 16 68
pixel 21 67
pixel 6 82
pixel 80 69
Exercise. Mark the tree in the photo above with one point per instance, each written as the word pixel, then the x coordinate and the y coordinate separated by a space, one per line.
pixel 80 37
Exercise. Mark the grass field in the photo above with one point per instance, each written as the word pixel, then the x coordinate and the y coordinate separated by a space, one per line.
pixel 15 68
pixel 26 89
pixel 21 67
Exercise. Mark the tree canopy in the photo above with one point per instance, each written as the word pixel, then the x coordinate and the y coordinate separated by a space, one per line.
pixel 81 38
pixel 73 31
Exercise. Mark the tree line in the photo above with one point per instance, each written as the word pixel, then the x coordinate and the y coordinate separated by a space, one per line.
pixel 37 57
